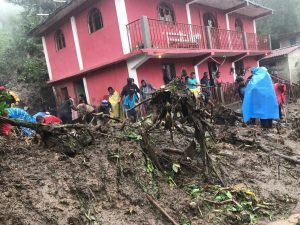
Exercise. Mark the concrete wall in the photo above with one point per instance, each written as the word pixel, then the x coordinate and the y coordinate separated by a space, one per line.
pixel 294 66
pixel 286 41
pixel 278 66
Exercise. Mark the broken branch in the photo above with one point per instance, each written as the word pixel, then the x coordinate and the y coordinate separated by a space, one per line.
pixel 161 209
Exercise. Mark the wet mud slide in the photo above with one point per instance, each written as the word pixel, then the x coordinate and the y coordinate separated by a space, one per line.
pixel 254 179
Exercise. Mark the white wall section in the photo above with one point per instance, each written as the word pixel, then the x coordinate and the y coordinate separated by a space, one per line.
pixel 122 21
pixel 76 41
pixel 227 21
pixel 47 58
pixel 86 90
pixel 133 64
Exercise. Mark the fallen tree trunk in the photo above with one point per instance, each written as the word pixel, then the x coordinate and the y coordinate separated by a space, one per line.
pixel 38 127
pixel 67 138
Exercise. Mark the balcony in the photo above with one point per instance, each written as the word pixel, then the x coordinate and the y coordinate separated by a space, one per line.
pixel 150 33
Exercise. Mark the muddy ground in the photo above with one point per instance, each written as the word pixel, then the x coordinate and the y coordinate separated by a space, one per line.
pixel 106 183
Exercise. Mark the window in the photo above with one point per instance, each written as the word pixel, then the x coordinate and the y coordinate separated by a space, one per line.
pixel 59 40
pixel 209 20
pixel 293 41
pixel 166 13
pixel 95 20
pixel 238 25
pixel 169 72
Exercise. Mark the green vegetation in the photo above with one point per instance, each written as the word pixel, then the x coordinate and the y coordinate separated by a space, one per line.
pixel 286 19
pixel 236 204
pixel 21 56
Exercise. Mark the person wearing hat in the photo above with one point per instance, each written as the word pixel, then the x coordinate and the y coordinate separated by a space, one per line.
pixel 129 86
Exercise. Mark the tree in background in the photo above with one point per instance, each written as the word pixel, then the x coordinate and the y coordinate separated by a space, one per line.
pixel 286 19
pixel 22 63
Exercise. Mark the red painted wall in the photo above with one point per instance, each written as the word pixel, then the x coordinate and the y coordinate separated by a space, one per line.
pixel 247 23
pixel 136 9
pixel 98 81
pixel 151 70
pixel 71 90
pixel 198 11
pixel 64 61
pixel 104 44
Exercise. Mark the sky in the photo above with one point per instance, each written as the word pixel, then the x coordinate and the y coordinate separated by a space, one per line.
pixel 7 11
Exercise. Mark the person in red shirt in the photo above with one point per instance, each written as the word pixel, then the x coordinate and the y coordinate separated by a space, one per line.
pixel 5 128
pixel 280 90
pixel 48 119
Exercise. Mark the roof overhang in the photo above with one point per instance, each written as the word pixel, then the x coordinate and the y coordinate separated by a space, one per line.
pixel 243 7
pixel 59 15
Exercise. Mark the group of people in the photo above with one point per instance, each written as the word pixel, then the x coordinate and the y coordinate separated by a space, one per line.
pixel 14 110
pixel 261 100
pixel 202 88
pixel 114 104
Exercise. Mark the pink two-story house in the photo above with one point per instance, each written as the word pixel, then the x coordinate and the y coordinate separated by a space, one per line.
pixel 90 45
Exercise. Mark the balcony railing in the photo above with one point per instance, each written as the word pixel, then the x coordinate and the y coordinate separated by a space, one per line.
pixel 150 33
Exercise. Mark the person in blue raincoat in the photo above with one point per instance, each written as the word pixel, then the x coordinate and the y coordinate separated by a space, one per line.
pixel 260 100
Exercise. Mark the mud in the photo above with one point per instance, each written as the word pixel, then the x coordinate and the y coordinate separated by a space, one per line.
pixel 106 183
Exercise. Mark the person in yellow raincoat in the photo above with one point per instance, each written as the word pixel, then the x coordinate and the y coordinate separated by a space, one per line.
pixel 114 99
pixel 15 98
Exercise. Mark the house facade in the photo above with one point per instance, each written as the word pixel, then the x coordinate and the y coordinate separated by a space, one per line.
pixel 289 40
pixel 90 45
pixel 284 63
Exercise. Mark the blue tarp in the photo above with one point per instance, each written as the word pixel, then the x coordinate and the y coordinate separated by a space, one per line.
pixel 260 100
pixel 20 114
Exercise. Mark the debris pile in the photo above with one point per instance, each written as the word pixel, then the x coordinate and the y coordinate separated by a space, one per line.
pixel 173 167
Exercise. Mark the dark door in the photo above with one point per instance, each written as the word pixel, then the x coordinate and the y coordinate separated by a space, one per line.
pixel 212 69
pixel 169 72
pixel 79 88
pixel 64 93
pixel 239 68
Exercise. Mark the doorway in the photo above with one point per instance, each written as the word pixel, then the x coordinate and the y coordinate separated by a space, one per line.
pixel 64 93
pixel 169 72
pixel 79 88
pixel 239 68
pixel 213 68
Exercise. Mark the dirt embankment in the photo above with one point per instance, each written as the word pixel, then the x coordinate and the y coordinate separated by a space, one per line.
pixel 106 183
